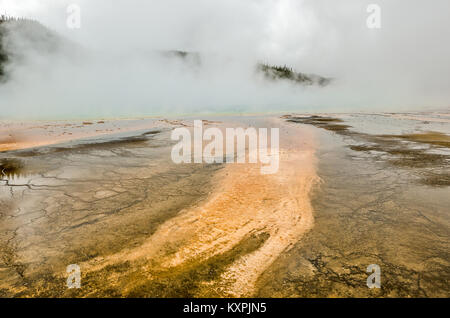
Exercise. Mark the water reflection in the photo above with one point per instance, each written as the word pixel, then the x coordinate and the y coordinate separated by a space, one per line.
pixel 11 169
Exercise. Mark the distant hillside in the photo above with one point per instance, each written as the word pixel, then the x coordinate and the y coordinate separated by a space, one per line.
pixel 182 54
pixel 271 72
pixel 275 73
pixel 32 36
pixel 3 55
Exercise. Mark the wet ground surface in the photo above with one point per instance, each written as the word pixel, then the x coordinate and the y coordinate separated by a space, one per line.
pixel 86 203
pixel 139 225
pixel 424 153
pixel 371 208
pixel 64 205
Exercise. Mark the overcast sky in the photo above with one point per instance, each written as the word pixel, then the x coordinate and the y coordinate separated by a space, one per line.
pixel 403 65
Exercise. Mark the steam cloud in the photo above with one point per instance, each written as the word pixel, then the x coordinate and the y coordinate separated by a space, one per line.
pixel 114 65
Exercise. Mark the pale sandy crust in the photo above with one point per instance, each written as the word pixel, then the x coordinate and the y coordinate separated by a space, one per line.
pixel 15 135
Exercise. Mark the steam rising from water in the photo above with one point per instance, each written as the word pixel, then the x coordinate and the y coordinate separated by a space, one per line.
pixel 113 65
